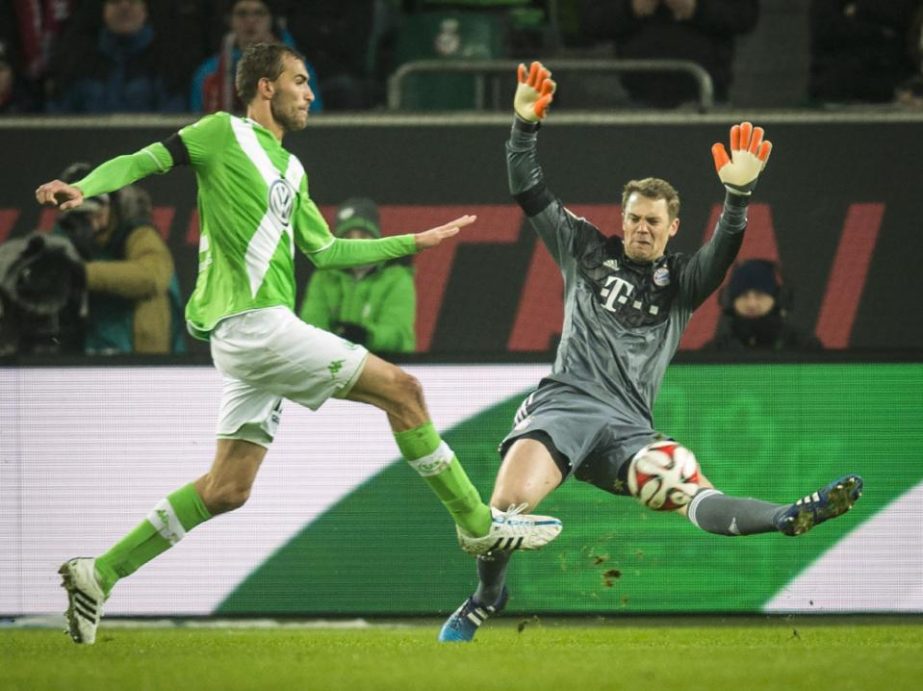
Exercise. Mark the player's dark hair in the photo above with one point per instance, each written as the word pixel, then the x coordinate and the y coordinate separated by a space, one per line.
pixel 259 61
pixel 653 188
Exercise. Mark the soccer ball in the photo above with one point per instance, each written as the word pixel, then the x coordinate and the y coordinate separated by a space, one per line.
pixel 664 476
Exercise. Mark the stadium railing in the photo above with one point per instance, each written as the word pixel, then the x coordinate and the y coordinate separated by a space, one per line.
pixel 484 70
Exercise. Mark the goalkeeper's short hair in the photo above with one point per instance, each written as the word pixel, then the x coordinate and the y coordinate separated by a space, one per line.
pixel 653 188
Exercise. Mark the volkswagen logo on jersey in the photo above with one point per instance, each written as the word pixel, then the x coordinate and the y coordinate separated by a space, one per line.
pixel 281 201
pixel 662 276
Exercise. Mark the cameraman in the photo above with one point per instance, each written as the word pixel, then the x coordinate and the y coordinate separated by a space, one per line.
pixel 134 303
pixel 42 297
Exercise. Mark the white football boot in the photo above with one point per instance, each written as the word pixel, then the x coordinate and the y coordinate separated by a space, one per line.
pixel 511 530
pixel 85 598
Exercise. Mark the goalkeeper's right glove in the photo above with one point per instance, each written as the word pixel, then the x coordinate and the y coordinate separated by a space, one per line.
pixel 534 92
pixel 749 154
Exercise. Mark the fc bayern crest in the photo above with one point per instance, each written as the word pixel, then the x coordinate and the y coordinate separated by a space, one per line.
pixel 662 276
pixel 281 201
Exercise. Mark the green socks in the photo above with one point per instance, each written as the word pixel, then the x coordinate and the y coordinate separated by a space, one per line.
pixel 166 525
pixel 183 510
pixel 436 463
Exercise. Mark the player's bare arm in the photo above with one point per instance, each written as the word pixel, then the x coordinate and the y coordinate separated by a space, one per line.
pixel 434 236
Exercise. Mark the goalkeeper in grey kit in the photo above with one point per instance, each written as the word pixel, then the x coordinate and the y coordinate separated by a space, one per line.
pixel 626 304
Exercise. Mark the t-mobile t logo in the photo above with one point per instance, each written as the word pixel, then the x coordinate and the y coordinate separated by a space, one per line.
pixel 616 290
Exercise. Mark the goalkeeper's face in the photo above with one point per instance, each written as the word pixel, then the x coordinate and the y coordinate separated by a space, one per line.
pixel 647 226
pixel 292 96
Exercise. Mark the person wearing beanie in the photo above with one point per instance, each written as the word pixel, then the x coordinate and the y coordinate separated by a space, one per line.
pixel 373 305
pixel 756 306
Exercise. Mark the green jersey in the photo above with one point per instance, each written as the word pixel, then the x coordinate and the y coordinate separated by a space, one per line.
pixel 254 209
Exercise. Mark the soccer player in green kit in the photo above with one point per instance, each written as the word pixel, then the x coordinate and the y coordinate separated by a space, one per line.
pixel 254 208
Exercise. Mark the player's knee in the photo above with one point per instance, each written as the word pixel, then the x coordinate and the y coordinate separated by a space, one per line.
pixel 412 388
pixel 224 497
pixel 407 393
pixel 664 476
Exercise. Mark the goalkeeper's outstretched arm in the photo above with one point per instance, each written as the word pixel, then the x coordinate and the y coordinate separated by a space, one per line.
pixel 107 177
pixel 739 171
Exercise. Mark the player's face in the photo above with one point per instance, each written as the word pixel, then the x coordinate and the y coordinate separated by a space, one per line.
pixel 646 226
pixel 292 95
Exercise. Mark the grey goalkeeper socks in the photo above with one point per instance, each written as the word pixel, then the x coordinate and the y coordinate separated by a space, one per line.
pixel 714 512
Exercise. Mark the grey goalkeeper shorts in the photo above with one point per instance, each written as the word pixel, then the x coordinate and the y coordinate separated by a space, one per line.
pixel 587 438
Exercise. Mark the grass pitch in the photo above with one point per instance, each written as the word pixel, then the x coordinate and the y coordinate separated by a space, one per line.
pixel 789 654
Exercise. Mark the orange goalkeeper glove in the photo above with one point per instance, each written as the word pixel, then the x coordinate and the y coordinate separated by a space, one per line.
pixel 534 92
pixel 749 154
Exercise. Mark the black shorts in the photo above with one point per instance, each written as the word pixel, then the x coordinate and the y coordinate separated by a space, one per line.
pixel 587 438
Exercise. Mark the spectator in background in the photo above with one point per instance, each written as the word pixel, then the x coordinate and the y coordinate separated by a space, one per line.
pixel 373 305
pixel 910 92
pixel 29 30
pixel 134 299
pixel 860 51
pixel 119 68
pixel 703 31
pixel 188 31
pixel 756 305
pixel 250 21
pixel 347 43
pixel 15 94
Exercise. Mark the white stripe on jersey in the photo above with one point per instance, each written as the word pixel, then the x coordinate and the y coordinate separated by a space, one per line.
pixel 294 173
pixel 260 250
pixel 265 240
pixel 243 131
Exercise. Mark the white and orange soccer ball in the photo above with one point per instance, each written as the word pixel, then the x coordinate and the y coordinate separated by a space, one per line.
pixel 664 476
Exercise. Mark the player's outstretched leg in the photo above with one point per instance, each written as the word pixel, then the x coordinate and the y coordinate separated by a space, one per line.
pixel 85 598
pixel 511 530
pixel 828 502
pixel 464 622
pixel 480 528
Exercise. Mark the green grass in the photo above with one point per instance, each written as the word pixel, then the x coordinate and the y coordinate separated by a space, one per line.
pixel 742 655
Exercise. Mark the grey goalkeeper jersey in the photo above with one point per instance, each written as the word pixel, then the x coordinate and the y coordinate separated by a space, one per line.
pixel 623 320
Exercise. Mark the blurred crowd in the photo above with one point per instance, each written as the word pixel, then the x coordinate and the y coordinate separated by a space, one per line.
pixel 169 56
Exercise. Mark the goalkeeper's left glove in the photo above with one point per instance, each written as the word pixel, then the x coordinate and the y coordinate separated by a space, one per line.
pixel 749 154
pixel 534 92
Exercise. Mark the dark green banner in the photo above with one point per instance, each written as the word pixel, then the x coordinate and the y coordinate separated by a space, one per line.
pixel 771 431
